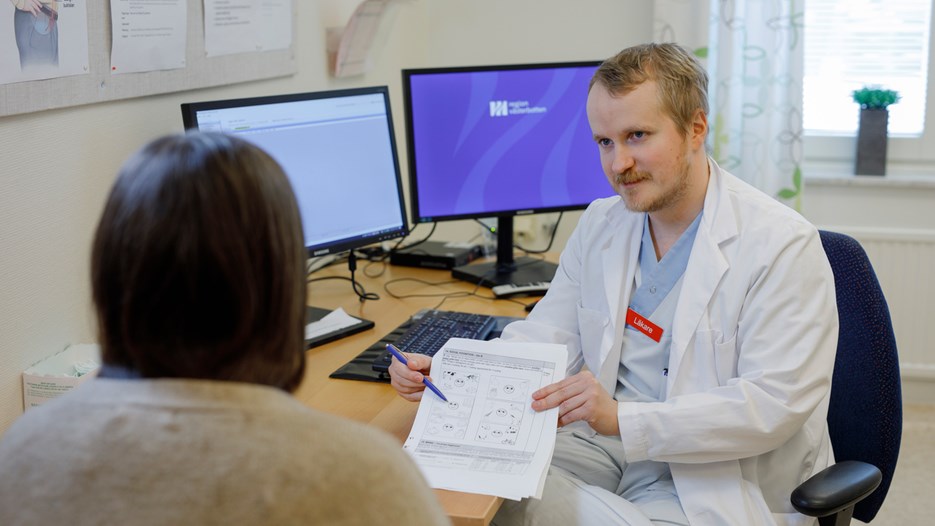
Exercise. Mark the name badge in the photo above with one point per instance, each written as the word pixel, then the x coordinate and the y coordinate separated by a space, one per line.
pixel 643 325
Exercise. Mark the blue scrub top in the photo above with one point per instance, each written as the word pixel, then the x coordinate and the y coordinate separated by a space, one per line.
pixel 643 361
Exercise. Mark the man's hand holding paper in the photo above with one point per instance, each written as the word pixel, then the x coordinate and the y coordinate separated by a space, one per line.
pixel 487 438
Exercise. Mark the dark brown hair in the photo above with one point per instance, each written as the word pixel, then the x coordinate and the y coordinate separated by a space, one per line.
pixel 681 80
pixel 198 265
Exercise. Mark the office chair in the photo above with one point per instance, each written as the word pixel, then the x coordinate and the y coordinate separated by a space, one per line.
pixel 865 412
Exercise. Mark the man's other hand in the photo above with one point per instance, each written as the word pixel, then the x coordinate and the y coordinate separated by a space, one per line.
pixel 580 397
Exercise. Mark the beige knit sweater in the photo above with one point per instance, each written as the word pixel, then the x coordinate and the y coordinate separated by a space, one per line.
pixel 167 451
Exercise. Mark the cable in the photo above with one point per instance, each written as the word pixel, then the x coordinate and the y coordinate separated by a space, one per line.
pixel 493 230
pixel 445 296
pixel 359 289
pixel 325 278
pixel 407 247
pixel 362 293
pixel 381 261
pixel 490 229
pixel 371 260
pixel 551 238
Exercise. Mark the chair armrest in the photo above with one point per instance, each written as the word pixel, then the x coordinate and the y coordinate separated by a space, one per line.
pixel 835 488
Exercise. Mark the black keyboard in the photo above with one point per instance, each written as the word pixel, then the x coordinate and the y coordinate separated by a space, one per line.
pixel 428 333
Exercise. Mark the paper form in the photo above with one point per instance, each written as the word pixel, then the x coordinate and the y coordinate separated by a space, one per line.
pixel 148 35
pixel 487 439
pixel 275 25
pixel 332 322
pixel 242 26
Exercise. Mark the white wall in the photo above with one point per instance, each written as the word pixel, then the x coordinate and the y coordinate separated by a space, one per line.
pixel 57 166
pixel 894 220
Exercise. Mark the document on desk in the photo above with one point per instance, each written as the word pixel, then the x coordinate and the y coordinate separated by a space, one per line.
pixel 487 438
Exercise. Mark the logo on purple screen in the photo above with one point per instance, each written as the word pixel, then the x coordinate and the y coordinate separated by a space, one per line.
pixel 505 108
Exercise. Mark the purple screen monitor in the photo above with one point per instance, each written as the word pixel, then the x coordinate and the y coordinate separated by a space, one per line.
pixel 500 141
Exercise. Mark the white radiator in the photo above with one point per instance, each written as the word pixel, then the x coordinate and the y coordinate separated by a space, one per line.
pixel 904 261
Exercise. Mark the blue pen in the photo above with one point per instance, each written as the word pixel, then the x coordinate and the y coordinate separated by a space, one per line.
pixel 399 356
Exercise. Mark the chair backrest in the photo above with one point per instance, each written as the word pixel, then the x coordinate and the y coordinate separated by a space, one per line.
pixel 865 415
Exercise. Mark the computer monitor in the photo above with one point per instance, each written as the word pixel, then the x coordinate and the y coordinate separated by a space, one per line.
pixel 338 150
pixel 501 141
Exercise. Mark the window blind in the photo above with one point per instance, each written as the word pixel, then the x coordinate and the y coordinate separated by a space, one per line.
pixel 854 43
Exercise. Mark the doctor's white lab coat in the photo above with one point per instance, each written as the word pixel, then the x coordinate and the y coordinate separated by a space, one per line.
pixel 743 419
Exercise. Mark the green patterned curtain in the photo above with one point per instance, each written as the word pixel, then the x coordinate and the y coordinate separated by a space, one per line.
pixel 754 55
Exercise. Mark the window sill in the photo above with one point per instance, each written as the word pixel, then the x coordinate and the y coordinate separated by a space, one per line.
pixel 898 176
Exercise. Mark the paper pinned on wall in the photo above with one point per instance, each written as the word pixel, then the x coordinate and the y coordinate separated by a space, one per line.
pixel 147 36
pixel 247 26
pixel 351 48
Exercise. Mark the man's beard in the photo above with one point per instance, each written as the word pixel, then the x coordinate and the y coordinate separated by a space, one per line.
pixel 659 202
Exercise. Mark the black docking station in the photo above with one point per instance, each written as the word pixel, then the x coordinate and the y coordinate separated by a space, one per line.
pixel 437 254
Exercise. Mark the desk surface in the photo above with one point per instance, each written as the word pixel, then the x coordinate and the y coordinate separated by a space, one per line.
pixel 377 403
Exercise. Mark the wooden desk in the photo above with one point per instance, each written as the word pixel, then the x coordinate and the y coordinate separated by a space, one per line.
pixel 377 403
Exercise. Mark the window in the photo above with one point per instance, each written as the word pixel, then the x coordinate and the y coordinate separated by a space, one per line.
pixel 852 43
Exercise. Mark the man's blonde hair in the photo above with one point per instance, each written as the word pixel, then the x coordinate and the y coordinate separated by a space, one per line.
pixel 682 82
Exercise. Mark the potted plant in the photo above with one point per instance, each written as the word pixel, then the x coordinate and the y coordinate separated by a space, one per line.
pixel 871 133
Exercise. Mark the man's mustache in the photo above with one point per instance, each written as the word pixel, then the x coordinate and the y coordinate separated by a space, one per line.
pixel 631 176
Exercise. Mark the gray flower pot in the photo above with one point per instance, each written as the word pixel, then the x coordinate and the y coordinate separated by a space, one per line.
pixel 871 142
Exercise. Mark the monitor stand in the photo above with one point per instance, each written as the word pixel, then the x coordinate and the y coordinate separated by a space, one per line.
pixel 506 270
pixel 313 314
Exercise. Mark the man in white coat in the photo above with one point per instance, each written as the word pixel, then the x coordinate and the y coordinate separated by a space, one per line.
pixel 700 319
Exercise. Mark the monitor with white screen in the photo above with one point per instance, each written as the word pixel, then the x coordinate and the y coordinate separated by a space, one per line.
pixel 501 141
pixel 338 150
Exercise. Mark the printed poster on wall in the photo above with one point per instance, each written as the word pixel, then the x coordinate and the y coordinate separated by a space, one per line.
pixel 42 39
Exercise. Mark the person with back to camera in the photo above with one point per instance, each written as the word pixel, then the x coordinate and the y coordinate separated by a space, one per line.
pixel 700 320
pixel 198 280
